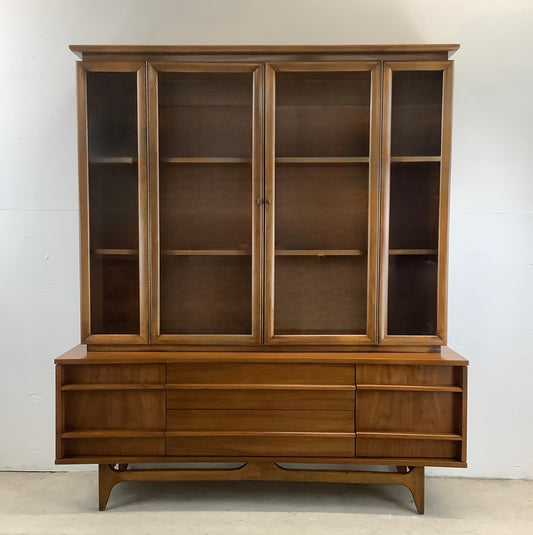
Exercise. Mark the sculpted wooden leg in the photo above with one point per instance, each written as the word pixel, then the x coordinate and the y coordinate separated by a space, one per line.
pixel 416 486
pixel 107 479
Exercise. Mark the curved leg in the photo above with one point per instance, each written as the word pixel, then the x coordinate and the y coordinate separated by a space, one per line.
pixel 107 479
pixel 416 486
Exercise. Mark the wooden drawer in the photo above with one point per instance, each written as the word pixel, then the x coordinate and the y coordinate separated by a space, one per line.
pixel 407 448
pixel 92 447
pixel 248 398
pixel 251 373
pixel 261 420
pixel 393 374
pixel 114 409
pixel 261 445
pixel 114 374
pixel 408 411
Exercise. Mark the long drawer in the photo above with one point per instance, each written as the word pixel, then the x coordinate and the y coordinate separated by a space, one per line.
pixel 271 398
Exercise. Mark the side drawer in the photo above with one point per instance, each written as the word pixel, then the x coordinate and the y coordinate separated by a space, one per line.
pixel 398 374
pixel 113 374
pixel 407 448
pixel 261 420
pixel 271 445
pixel 410 412
pixel 94 447
pixel 269 398
pixel 262 373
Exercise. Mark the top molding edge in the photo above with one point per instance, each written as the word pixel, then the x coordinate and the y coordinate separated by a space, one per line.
pixel 79 50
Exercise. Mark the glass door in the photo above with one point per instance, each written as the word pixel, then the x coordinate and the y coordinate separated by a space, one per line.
pixel 113 202
pixel 321 202
pixel 206 190
pixel 416 161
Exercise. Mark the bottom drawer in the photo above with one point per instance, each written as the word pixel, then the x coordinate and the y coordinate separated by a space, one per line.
pixel 420 448
pixel 262 445
pixel 94 447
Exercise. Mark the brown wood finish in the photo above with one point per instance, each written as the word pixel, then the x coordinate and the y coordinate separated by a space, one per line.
pixel 256 169
pixel 261 420
pixel 268 178
pixel 82 69
pixel 446 67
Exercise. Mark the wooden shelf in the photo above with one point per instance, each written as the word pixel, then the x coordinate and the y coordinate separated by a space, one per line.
pixel 113 159
pixel 114 433
pixel 319 252
pixel 409 436
pixel 397 252
pixel 206 159
pixel 323 159
pixel 414 159
pixel 205 252
pixel 410 388
pixel 114 386
pixel 116 252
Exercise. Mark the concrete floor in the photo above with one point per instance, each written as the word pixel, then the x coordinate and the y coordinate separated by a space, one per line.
pixel 50 503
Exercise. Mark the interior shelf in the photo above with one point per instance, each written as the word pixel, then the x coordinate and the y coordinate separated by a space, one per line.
pixel 416 158
pixel 319 252
pixel 205 252
pixel 323 159
pixel 116 252
pixel 112 159
pixel 413 251
pixel 194 159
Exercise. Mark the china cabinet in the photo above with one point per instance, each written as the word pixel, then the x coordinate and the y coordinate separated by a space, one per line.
pixel 263 265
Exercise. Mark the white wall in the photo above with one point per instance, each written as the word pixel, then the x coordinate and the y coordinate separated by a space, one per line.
pixel 491 253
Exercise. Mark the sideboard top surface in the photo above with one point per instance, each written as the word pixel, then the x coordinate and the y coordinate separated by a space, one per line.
pixel 80 355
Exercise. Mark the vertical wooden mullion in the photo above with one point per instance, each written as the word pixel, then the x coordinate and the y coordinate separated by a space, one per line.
pixel 153 139
pixel 143 202
pixel 83 192
pixel 270 169
pixel 385 199
pixel 373 201
pixel 444 202
pixel 257 209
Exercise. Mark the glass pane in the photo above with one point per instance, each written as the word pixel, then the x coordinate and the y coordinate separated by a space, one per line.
pixel 416 113
pixel 320 295
pixel 205 202
pixel 322 113
pixel 113 202
pixel 321 202
pixel 412 306
pixel 205 115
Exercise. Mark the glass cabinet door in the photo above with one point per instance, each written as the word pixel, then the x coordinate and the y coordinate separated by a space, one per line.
pixel 112 145
pixel 416 160
pixel 206 176
pixel 321 202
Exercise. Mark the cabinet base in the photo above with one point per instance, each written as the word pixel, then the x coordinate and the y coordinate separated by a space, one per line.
pixel 411 477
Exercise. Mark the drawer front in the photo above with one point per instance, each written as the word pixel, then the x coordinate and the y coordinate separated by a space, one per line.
pixel 114 374
pixel 92 447
pixel 249 373
pixel 393 374
pixel 261 420
pixel 221 398
pixel 407 448
pixel 114 409
pixel 409 412
pixel 261 445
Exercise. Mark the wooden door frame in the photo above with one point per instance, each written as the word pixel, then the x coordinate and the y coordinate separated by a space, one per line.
pixel 270 338
pixel 257 194
pixel 442 289
pixel 83 67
